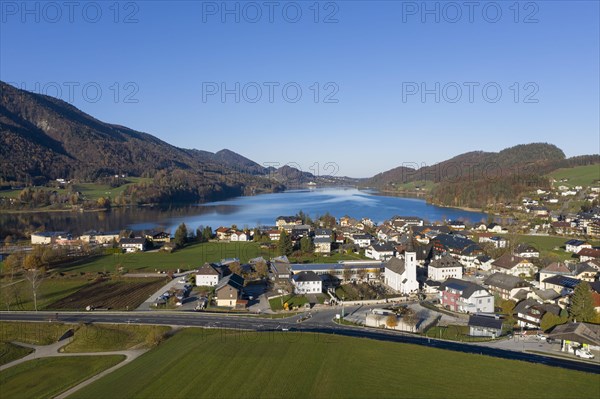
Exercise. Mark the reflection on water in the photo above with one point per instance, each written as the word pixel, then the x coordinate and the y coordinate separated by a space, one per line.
pixel 241 211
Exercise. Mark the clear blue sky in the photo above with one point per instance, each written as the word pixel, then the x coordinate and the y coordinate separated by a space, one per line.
pixel 372 54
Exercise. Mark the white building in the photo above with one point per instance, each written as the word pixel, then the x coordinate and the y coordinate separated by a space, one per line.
pixel 207 276
pixel 307 283
pixel 381 252
pixel 444 267
pixel 238 236
pixel 362 240
pixel 401 274
pixel 129 245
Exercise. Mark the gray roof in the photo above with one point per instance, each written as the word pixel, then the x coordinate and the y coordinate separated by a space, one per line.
pixel 505 281
pixel 396 265
pixel 583 333
pixel 232 280
pixel 322 240
pixel 486 322
pixel 306 276
pixel 465 287
pixel 445 261
pixel 207 269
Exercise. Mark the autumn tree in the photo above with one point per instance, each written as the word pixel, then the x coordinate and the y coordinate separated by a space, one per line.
pixel 34 274
pixel 410 318
pixel 261 269
pixel 549 320
pixel 582 303
pixel 391 321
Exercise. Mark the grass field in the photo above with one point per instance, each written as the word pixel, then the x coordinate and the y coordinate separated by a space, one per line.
pixel 114 337
pixel 454 333
pixel 10 352
pixel 51 290
pixel 578 176
pixel 216 364
pixel 47 377
pixel 190 257
pixel 31 333
pixel 550 245
pixel 292 301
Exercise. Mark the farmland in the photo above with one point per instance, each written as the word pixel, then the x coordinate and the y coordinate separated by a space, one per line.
pixel 47 377
pixel 51 290
pixel 295 365
pixel 122 294
pixel 578 176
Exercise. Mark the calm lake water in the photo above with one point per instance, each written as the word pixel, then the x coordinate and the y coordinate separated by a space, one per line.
pixel 242 211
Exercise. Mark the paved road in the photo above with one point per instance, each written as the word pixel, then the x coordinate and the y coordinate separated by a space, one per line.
pixel 320 322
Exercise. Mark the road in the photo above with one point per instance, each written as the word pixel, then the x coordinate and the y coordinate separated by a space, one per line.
pixel 320 322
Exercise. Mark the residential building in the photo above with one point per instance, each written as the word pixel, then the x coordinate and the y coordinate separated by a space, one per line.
pixel 239 236
pixel 322 244
pixel 529 313
pixel 587 254
pixel 444 267
pixel 307 283
pixel 157 236
pixel 380 251
pixel 49 237
pixel 575 246
pixel 562 284
pixel 136 244
pixel 485 326
pixel 508 286
pixel 515 265
pixel 229 290
pixel 207 275
pixel 362 240
pixel 466 297
pixel 527 251
pixel 223 233
pixel 496 241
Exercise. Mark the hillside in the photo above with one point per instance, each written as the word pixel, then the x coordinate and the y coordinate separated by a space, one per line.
pixel 475 179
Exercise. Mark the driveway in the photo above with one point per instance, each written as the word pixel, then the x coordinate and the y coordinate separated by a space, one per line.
pixel 147 305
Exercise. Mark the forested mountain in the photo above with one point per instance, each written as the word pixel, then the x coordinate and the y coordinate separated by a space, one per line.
pixel 476 179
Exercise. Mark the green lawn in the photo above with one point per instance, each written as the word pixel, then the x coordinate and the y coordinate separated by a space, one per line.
pixel 454 333
pixel 292 300
pixel 50 291
pixel 578 176
pixel 31 333
pixel 47 377
pixel 10 352
pixel 93 191
pixel 550 245
pixel 108 337
pixel 190 257
pixel 217 364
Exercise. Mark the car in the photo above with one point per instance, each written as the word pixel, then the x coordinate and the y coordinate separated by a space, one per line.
pixel 583 353
pixel 183 280
pixel 541 336
pixel 166 294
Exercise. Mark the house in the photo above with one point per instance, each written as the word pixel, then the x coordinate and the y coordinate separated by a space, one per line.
pixel 380 251
pixel 96 237
pixel 456 225
pixel 466 297
pixel 283 221
pixel 229 290
pixel 401 274
pixel 273 235
pixel 593 228
pixel 47 237
pixel 537 210
pixel 561 284
pixel 207 275
pixel 584 272
pixel 496 241
pixel 444 267
pixel 223 233
pixel 484 262
pixel 322 244
pixel 515 265
pixel 362 240
pixel 307 283
pixel 323 233
pixel 586 254
pixel 458 246
pixel 529 313
pixel 527 251
pixel 577 335
pixel 281 271
pixel 301 230
pixel 133 244
pixel 575 246
pixel 485 326
pixel 408 220
pixel 157 236
pixel 554 269
pixel 431 287
pixel 238 236
pixel 507 286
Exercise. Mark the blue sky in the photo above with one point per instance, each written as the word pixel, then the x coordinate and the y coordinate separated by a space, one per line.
pixel 160 67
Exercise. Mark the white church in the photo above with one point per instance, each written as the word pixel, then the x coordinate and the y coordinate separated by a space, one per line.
pixel 401 273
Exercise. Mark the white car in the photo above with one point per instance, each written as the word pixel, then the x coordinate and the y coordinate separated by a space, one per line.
pixel 584 354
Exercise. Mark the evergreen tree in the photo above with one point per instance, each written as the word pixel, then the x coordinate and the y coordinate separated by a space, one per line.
pixel 582 303
pixel 285 244
pixel 207 233
pixel 306 244
pixel 181 235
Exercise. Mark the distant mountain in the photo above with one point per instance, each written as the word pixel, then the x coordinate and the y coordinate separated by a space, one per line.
pixel 43 138
pixel 475 179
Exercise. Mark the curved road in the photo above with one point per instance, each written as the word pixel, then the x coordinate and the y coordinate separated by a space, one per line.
pixel 321 322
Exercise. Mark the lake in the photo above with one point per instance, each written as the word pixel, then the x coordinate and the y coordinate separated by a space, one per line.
pixel 241 211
